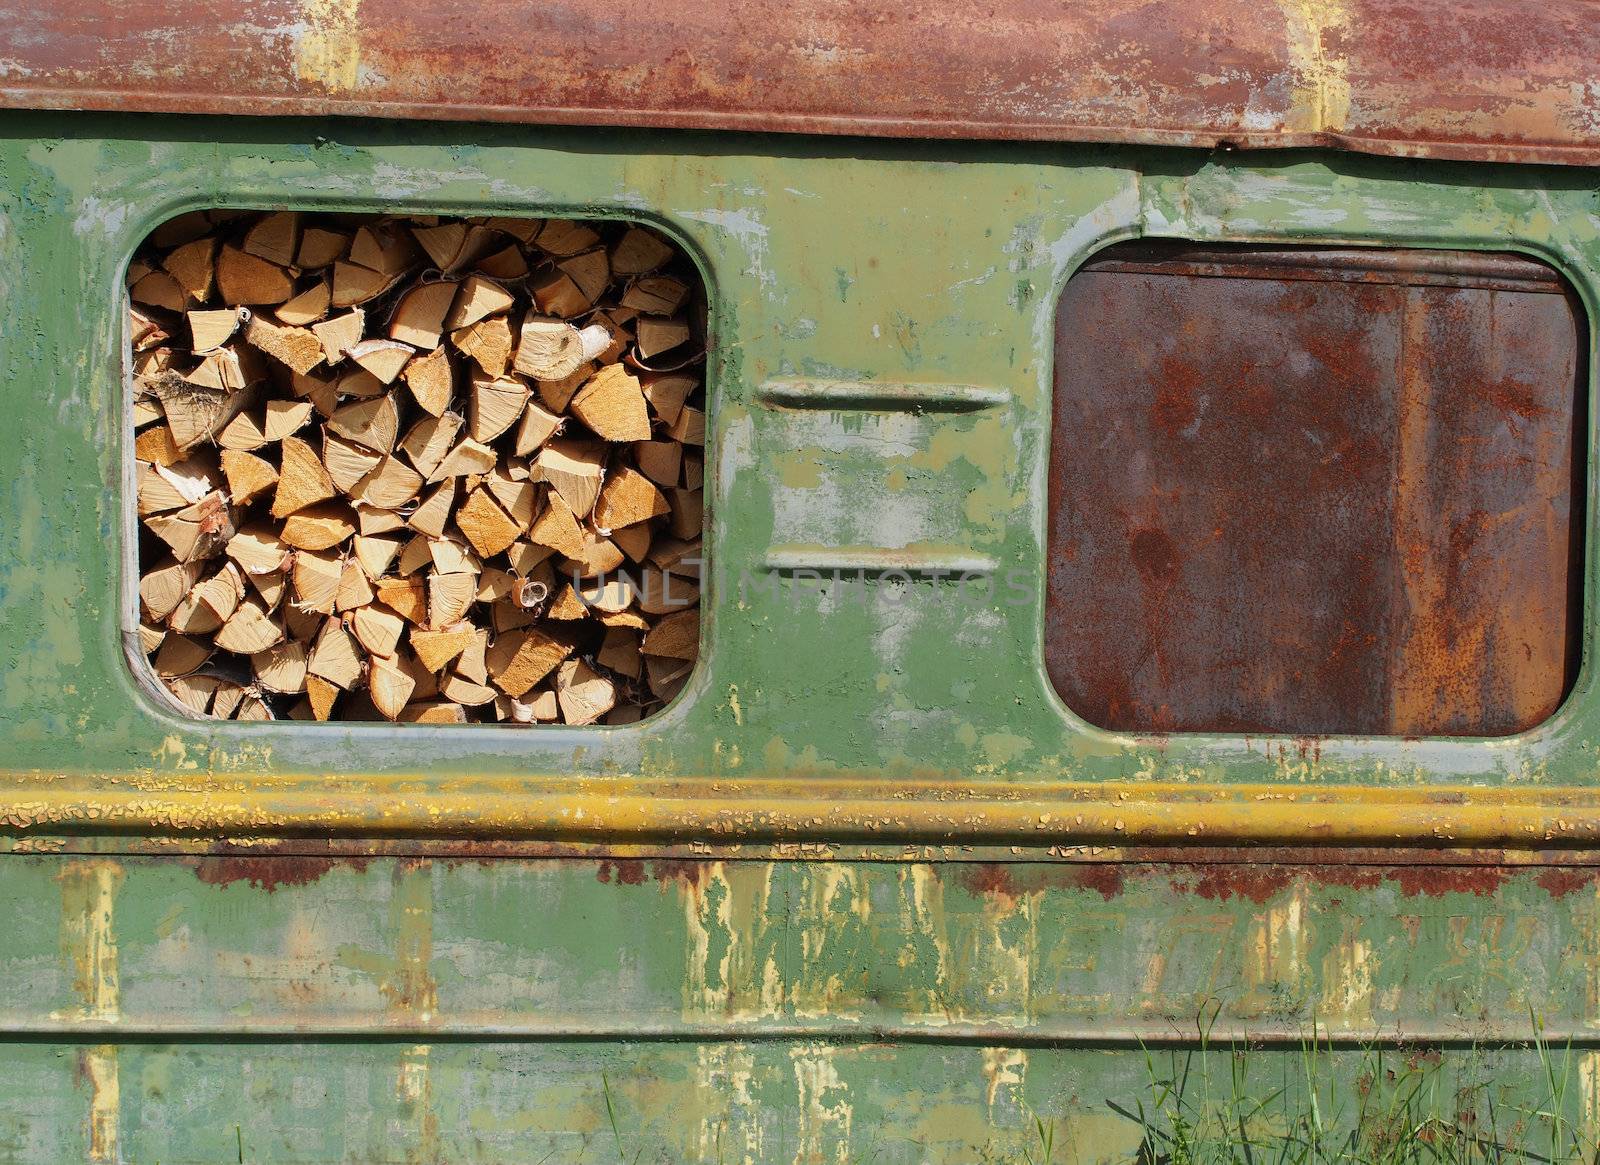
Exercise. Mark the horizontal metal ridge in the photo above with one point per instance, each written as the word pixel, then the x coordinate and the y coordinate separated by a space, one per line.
pixel 916 561
pixel 971 809
pixel 1088 1031
pixel 1491 270
pixel 880 396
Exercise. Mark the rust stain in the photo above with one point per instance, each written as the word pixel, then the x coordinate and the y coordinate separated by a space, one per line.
pixel 673 870
pixel 1014 880
pixel 1105 880
pixel 1257 883
pixel 628 872
pixel 988 878
pixel 1437 881
pixel 269 872
pixel 1559 881
pixel 1262 883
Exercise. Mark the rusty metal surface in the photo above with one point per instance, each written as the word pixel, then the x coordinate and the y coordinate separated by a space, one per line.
pixel 1316 495
pixel 1506 80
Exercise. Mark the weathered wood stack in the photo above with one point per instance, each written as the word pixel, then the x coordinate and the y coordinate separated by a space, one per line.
pixel 417 468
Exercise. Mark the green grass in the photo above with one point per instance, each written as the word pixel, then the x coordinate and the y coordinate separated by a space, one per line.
pixel 1210 1103
pixel 1401 1107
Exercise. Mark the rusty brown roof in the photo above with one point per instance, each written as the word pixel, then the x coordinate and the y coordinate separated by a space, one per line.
pixel 1507 80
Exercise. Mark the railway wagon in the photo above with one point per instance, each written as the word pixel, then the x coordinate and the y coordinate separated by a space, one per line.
pixel 1141 698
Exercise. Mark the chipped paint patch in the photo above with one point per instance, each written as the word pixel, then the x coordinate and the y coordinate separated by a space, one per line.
pixel 1589 1097
pixel 99 216
pixel 1005 1074
pixel 730 1130
pixel 88 941
pixel 734 942
pixel 832 916
pixel 823 1106
pixel 1347 994
pixel 926 943
pixel 745 228
pixel 414 1092
pixel 1275 969
pixel 173 753
pixel 99 1066
pixel 412 989
pixel 89 946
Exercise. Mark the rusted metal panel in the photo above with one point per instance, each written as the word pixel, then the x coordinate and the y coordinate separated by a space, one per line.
pixel 1314 492
pixel 1508 80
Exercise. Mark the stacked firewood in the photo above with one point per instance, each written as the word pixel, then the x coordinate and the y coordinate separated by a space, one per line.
pixel 419 468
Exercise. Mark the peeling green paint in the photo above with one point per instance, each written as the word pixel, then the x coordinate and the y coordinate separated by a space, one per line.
pixel 786 1006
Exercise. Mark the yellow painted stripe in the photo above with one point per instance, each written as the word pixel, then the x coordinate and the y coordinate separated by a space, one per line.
pixel 716 808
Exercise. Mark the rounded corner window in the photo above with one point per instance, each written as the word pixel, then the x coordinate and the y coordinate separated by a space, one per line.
pixel 1316 490
pixel 416 468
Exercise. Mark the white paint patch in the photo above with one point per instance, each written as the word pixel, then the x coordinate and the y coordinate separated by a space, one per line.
pixel 745 227
pixel 831 514
pixel 100 216
pixel 977 280
pixel 737 452
pixel 1119 212
pixel 412 1086
pixel 392 182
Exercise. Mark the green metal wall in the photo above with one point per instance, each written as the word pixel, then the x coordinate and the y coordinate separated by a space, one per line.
pixel 188 974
